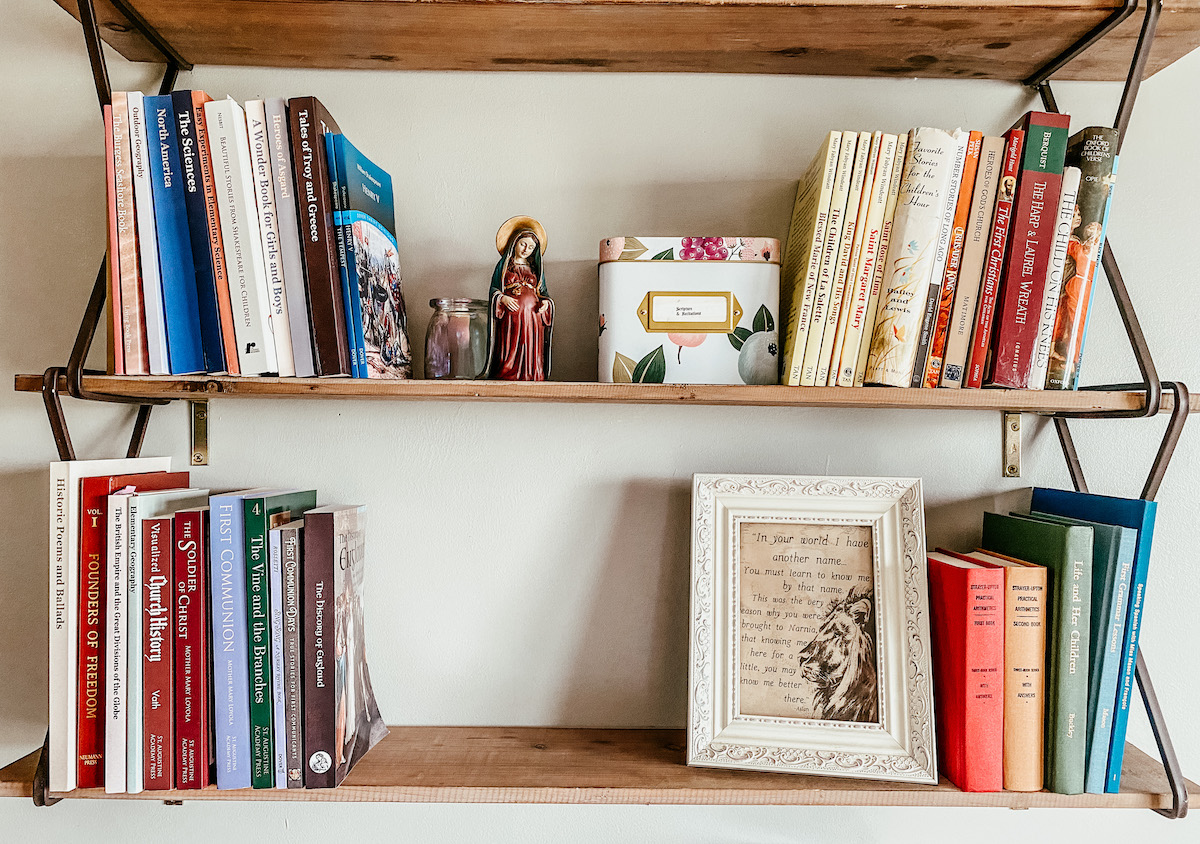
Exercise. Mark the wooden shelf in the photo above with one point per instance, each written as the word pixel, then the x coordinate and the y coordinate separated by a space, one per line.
pixel 548 765
pixel 997 39
pixel 211 386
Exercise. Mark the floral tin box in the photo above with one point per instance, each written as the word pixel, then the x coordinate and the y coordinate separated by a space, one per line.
pixel 689 310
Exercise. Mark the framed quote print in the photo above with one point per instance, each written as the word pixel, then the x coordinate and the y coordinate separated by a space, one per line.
pixel 810 627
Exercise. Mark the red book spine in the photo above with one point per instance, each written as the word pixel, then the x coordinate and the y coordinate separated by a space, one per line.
pixel 191 650
pixel 981 340
pixel 92 571
pixel 1035 211
pixel 158 713
pixel 967 615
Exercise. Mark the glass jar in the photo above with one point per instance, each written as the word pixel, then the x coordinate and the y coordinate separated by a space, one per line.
pixel 456 341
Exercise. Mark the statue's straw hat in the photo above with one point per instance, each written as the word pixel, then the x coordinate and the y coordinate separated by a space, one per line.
pixel 504 235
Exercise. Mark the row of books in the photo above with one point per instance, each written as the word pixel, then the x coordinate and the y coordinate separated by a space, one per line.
pixel 946 259
pixel 248 241
pixel 199 638
pixel 1035 641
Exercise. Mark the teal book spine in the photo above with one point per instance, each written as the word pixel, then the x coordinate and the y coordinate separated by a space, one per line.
pixel 1066 552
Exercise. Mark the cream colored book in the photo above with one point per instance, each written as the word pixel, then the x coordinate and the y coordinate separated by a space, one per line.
pixel 859 198
pixel 802 255
pixel 829 253
pixel 974 258
pixel 885 239
pixel 1054 277
pixel 911 262
pixel 854 307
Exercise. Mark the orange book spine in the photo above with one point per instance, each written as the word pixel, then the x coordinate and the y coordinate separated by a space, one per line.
pixel 1024 678
pixel 220 274
pixel 958 237
pixel 116 348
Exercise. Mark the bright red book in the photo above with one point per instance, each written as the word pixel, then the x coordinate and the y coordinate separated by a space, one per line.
pixel 191 649
pixel 967 622
pixel 1034 216
pixel 93 608
pixel 981 339
pixel 157 713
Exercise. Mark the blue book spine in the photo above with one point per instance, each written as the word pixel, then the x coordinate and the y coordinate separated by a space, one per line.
pixel 231 682
pixel 350 300
pixel 187 118
pixel 177 269
pixel 1131 513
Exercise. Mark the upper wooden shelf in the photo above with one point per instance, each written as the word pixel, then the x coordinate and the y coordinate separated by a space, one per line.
pixel 561 765
pixel 995 39
pixel 213 386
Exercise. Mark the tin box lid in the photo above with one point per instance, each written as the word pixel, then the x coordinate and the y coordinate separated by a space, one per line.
pixel 764 250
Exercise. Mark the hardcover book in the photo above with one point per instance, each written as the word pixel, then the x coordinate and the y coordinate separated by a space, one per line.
pixel 240 236
pixel 1094 152
pixel 1034 207
pixel 1024 669
pixel 176 268
pixel 913 256
pixel 341 719
pixel 1131 513
pixel 133 319
pixel 112 304
pixel 974 258
pixel 966 613
pixel 291 541
pixel 147 237
pixel 65 506
pixel 309 122
pixel 192 686
pixel 279 713
pixel 1066 552
pixel 158 710
pixel 189 119
pixel 1054 277
pixel 257 513
pixel 367 233
pixel 802 258
pixel 981 337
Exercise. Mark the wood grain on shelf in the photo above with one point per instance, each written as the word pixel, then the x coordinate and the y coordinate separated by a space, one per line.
pixel 997 39
pixel 16 779
pixel 213 386
pixel 562 765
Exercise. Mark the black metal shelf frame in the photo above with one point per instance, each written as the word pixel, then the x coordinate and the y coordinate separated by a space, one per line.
pixel 1150 384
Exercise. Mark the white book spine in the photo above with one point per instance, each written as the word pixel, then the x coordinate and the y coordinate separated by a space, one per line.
pixel 916 235
pixel 134 716
pixel 115 737
pixel 268 223
pixel 802 258
pixel 970 274
pixel 241 236
pixel 63 736
pixel 829 253
pixel 864 271
pixel 143 203
pixel 299 331
pixel 885 242
pixel 278 683
pixel 1054 277
pixel 869 141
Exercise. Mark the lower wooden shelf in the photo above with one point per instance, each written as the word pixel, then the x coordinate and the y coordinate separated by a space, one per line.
pixel 567 765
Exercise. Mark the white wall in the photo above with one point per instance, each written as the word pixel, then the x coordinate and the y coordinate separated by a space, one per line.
pixel 528 562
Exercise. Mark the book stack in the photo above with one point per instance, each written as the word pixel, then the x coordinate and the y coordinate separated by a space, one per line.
pixel 946 259
pixel 1035 643
pixel 251 241
pixel 201 639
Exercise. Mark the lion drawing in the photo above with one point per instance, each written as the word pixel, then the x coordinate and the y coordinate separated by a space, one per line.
pixel 840 661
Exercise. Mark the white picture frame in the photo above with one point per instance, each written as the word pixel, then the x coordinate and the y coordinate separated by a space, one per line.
pixel 773 699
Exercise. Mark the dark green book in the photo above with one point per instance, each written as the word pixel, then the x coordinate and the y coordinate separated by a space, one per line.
pixel 261 514
pixel 1066 552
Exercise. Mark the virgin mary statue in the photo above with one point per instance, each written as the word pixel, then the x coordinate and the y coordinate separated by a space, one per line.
pixel 520 314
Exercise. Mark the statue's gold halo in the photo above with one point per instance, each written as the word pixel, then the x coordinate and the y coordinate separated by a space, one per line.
pixel 516 224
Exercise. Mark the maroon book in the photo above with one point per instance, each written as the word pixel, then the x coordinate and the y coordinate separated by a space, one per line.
pixel 93 609
pixel 157 714
pixel 308 121
pixel 191 649
pixel 1035 210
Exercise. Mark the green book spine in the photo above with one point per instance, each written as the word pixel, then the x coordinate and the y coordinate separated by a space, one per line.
pixel 259 514
pixel 1066 552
